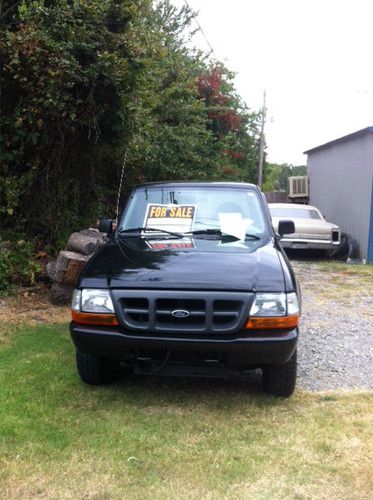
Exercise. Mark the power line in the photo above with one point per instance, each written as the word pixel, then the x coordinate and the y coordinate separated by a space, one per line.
pixel 200 29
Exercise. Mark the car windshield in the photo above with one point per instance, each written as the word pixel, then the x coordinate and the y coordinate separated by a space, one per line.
pixel 195 210
pixel 294 213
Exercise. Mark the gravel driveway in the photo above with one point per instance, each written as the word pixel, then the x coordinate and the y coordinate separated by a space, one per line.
pixel 336 341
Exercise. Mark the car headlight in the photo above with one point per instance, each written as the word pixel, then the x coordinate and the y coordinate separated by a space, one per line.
pixel 292 304
pixel 269 304
pixel 93 307
pixel 76 300
pixel 274 310
pixel 96 301
pixel 274 304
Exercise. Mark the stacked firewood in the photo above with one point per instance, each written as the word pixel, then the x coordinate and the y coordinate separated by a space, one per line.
pixel 65 270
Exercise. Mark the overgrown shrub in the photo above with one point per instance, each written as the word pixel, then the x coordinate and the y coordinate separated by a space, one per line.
pixel 79 80
pixel 18 265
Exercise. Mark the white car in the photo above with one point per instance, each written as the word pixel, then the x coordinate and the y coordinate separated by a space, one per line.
pixel 312 231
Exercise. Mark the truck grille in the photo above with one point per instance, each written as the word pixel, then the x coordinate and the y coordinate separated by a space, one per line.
pixel 207 312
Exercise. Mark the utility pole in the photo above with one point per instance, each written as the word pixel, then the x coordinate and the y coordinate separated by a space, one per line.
pixel 262 143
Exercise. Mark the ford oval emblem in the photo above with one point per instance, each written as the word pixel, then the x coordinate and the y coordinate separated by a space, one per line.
pixel 180 313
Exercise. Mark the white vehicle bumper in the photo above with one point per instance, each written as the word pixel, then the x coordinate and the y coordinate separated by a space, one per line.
pixel 304 244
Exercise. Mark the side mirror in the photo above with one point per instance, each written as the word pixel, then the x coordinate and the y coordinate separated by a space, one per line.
pixel 286 227
pixel 106 226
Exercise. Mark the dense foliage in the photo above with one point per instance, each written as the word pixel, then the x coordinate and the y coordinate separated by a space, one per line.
pixel 82 81
pixel 276 176
pixel 18 265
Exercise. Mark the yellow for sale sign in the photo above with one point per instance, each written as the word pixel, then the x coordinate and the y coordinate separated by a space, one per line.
pixel 176 218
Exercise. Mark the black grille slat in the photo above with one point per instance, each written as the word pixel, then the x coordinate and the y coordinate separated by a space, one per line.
pixel 136 312
pixel 172 304
pixel 208 312
pixel 226 313
pixel 226 304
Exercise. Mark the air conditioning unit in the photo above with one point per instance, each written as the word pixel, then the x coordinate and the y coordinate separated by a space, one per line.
pixel 298 187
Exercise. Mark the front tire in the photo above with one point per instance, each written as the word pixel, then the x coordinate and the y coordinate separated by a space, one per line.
pixel 94 370
pixel 280 379
pixel 341 253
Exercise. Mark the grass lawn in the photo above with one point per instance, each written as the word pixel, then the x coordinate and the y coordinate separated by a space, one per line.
pixel 162 438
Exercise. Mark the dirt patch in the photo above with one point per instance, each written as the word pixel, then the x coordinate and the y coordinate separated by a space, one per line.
pixel 32 306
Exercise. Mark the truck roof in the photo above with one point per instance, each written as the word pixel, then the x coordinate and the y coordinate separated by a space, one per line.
pixel 199 184
pixel 292 205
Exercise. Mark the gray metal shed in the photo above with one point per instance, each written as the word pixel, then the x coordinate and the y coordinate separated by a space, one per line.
pixel 341 185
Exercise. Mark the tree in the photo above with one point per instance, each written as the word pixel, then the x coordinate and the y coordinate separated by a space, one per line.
pixel 231 122
pixel 66 77
pixel 276 175
pixel 86 81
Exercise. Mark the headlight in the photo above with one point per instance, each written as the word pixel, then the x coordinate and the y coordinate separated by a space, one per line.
pixel 274 305
pixel 77 297
pixel 271 311
pixel 292 304
pixel 93 307
pixel 97 301
pixel 269 304
pixel 92 301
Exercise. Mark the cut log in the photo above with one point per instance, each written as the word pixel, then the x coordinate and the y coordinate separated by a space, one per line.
pixel 61 294
pixel 85 242
pixel 67 267
pixel 65 270
pixel 95 233
pixel 50 269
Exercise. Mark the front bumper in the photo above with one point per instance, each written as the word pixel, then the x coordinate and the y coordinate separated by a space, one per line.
pixel 304 244
pixel 246 349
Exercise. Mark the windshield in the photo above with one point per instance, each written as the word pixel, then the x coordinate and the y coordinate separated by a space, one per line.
pixel 294 213
pixel 188 209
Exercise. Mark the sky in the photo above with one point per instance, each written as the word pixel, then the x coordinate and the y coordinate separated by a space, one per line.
pixel 314 58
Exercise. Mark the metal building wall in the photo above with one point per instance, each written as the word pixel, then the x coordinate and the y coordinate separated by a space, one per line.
pixel 341 185
pixel 370 242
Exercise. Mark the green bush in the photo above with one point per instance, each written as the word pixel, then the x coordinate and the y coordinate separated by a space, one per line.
pixel 18 265
pixel 83 83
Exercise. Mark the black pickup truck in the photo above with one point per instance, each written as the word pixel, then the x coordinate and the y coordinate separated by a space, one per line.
pixel 192 281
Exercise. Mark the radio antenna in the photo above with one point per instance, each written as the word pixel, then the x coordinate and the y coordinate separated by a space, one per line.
pixel 125 158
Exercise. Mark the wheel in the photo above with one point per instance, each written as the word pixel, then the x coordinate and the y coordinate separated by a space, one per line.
pixel 280 379
pixel 342 251
pixel 95 371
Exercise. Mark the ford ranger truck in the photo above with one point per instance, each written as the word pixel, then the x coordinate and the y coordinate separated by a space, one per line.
pixel 192 281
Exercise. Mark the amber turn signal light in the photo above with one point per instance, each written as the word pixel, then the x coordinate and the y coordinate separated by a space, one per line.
pixel 94 319
pixel 257 323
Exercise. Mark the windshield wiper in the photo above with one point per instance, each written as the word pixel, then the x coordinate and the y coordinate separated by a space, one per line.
pixel 205 231
pixel 253 236
pixel 144 229
pixel 219 233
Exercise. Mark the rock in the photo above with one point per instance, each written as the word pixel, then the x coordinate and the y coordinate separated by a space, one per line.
pixel 61 294
pixel 85 242
pixel 67 267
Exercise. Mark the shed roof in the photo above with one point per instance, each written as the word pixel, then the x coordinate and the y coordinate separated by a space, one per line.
pixel 345 138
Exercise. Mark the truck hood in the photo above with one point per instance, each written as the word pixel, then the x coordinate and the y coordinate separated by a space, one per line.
pixel 205 265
